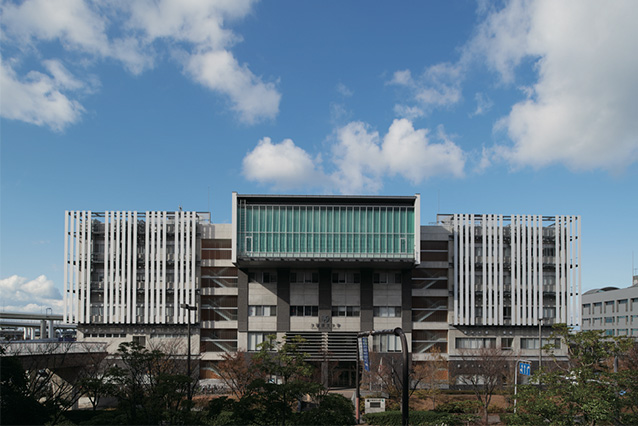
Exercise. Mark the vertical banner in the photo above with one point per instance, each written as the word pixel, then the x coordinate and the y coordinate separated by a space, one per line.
pixel 364 352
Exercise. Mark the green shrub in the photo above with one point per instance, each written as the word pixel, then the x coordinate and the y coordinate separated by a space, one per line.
pixel 459 407
pixel 393 418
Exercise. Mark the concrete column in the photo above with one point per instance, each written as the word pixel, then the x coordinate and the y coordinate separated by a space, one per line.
pixel 366 289
pixel 325 295
pixel 283 300
pixel 242 300
pixel 43 329
pixel 406 301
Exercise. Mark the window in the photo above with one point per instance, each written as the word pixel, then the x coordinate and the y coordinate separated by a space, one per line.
pixel 387 311
pixel 304 311
pixel 256 339
pixel 262 310
pixel 262 277
pixel 532 342
pixel 140 340
pixel 598 308
pixel 506 343
pixel 609 332
pixel 587 309
pixel 304 277
pixel 609 320
pixel 621 320
pixel 549 312
pixel 609 307
pixel 622 305
pixel 346 277
pixel 386 278
pixel 475 342
pixel 345 311
pixel 386 343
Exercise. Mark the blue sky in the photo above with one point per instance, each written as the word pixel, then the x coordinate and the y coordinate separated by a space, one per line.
pixel 523 107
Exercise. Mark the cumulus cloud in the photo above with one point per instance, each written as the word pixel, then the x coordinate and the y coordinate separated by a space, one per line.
pixel 218 70
pixel 138 34
pixel 283 165
pixel 21 294
pixel 39 98
pixel 438 86
pixel 578 111
pixel 581 111
pixel 360 159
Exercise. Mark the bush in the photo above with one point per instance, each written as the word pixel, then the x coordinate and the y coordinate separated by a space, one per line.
pixel 393 418
pixel 333 409
pixel 460 407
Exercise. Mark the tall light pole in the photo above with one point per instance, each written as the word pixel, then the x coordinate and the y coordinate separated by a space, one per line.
pixel 189 308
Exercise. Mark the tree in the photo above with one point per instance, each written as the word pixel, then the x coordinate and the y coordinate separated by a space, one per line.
pixel 386 369
pixel 237 371
pixel 433 374
pixel 18 406
pixel 484 370
pixel 53 371
pixel 94 381
pixel 285 379
pixel 149 387
pixel 585 389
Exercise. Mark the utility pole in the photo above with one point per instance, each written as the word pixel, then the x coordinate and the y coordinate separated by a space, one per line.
pixel 189 308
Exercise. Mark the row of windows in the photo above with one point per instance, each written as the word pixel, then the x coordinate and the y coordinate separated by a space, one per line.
pixel 304 311
pixel 620 320
pixel 337 277
pixel 610 306
pixel 506 342
pixel 262 310
pixel 313 311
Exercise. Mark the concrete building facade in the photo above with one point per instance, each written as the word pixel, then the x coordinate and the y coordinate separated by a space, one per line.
pixel 611 309
pixel 324 268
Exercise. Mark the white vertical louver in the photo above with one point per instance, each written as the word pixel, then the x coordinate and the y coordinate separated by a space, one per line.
pixel 77 270
pixel 130 250
pixel 526 269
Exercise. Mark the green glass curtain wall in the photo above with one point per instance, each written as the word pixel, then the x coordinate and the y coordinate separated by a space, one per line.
pixel 325 231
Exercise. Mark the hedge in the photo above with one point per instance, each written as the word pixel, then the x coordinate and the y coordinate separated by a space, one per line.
pixel 393 418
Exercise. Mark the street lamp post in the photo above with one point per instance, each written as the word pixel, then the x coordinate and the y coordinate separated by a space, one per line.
pixel 189 308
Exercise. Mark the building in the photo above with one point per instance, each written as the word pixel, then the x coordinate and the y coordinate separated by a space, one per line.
pixel 324 268
pixel 612 309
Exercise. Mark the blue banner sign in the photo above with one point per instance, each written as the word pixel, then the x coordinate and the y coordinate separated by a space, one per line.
pixel 524 368
pixel 364 351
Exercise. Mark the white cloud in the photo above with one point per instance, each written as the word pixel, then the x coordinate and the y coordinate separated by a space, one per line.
pixel 483 104
pixel 409 153
pixel 409 112
pixel 581 112
pixel 218 70
pixel 438 86
pixel 344 91
pixel 501 40
pixel 360 160
pixel 137 34
pixel 21 294
pixel 39 98
pixel 283 165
